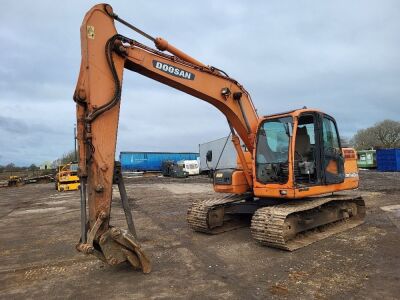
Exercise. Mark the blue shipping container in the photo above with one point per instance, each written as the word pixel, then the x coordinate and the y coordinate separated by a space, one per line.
pixel 151 161
pixel 388 160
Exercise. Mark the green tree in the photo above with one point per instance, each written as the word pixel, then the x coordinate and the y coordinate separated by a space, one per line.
pixel 10 167
pixel 385 134
pixel 345 142
pixel 65 158
pixel 33 167
pixel 388 133
pixel 68 157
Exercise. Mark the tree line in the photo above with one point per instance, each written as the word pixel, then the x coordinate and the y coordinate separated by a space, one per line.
pixel 65 158
pixel 385 134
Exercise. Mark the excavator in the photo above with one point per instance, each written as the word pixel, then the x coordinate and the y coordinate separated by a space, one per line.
pixel 293 178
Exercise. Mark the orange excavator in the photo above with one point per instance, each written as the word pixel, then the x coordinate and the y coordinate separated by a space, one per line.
pixel 293 177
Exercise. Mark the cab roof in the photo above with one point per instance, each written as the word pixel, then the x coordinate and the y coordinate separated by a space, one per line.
pixel 293 113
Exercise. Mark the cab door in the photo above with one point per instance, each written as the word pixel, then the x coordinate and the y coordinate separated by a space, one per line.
pixel 332 157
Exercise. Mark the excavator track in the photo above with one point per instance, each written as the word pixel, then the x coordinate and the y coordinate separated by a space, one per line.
pixel 209 216
pixel 272 225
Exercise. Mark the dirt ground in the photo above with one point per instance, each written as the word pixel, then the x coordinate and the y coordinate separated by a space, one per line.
pixel 39 228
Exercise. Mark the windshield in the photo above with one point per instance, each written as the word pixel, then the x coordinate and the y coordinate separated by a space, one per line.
pixel 273 141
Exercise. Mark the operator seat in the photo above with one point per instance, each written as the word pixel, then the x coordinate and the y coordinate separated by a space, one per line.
pixel 303 145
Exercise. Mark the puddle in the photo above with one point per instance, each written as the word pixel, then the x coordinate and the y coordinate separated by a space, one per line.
pixel 393 213
pixel 55 196
pixel 392 208
pixel 55 202
pixel 186 188
pixel 38 210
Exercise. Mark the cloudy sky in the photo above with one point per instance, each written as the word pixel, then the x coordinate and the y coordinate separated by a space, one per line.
pixel 342 57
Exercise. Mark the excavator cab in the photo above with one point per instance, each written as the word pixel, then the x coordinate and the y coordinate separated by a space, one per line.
pixel 299 154
pixel 316 150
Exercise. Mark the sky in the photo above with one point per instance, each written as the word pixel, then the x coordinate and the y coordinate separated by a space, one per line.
pixel 342 57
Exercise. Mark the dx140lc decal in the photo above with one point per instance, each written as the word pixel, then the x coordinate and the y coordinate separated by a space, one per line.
pixel 174 71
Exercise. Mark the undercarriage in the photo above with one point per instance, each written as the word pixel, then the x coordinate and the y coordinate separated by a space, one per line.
pixel 289 225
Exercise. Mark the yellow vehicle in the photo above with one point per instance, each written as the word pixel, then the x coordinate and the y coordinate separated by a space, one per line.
pixel 15 181
pixel 67 178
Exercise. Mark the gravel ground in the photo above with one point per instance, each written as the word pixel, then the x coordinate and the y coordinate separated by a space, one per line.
pixel 39 228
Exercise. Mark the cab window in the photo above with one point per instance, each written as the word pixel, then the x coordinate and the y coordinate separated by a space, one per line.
pixel 330 136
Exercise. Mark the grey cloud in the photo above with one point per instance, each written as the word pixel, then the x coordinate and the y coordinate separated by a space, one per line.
pixel 12 125
pixel 341 57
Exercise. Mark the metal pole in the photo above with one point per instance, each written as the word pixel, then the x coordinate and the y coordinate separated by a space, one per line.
pixel 83 210
pixel 118 178
pixel 126 207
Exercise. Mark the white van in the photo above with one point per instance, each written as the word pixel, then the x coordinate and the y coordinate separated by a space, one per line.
pixel 190 166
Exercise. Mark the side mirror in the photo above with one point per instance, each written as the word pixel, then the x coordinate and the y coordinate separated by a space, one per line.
pixel 209 155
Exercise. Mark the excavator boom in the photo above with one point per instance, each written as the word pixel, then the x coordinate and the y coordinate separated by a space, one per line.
pixel 105 54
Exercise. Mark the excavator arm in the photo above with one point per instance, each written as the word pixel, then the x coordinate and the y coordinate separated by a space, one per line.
pixel 105 54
